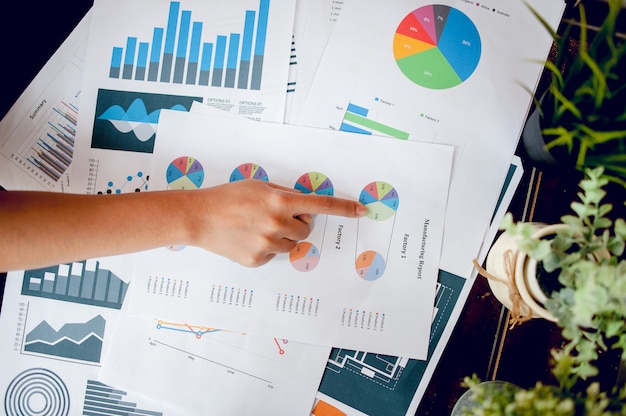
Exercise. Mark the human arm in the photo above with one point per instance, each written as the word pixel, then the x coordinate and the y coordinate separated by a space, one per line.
pixel 247 221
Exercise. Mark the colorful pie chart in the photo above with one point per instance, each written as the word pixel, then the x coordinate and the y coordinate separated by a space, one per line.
pixel 315 182
pixel 381 200
pixel 249 171
pixel 185 173
pixel 370 265
pixel 437 46
pixel 304 257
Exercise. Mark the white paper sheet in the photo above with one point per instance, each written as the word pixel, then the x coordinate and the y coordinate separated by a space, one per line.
pixel 358 383
pixel 199 370
pixel 363 283
pixel 379 71
pixel 53 341
pixel 313 25
pixel 138 66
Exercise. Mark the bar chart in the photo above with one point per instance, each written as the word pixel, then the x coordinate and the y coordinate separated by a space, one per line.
pixel 178 52
pixel 47 153
pixel 80 282
pixel 355 120
pixel 102 399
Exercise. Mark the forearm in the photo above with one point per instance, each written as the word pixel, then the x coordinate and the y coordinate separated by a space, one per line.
pixel 246 221
pixel 43 228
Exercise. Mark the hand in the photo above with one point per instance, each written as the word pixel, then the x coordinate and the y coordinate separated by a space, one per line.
pixel 250 221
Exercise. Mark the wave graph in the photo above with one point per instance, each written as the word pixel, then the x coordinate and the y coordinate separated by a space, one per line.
pixel 135 119
pixel 127 120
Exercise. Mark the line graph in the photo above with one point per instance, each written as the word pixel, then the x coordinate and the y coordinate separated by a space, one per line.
pixel 206 359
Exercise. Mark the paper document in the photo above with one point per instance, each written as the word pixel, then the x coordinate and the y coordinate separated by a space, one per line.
pixel 55 327
pixel 450 74
pixel 165 55
pixel 277 376
pixel 366 283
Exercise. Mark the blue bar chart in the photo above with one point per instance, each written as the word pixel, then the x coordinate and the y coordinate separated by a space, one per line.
pixel 179 54
pixel 356 120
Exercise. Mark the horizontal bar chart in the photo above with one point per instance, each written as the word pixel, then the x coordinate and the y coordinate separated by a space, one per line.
pixel 104 400
pixel 355 120
pixel 178 54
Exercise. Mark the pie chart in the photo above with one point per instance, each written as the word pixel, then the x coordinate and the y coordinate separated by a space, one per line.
pixel 381 200
pixel 315 182
pixel 304 256
pixel 437 46
pixel 249 171
pixel 370 265
pixel 185 173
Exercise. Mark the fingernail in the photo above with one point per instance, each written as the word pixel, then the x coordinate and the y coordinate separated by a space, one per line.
pixel 361 210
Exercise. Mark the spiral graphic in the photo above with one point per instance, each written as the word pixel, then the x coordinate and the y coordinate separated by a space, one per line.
pixel 37 391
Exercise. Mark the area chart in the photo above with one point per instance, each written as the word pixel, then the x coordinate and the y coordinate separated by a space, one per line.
pixel 437 46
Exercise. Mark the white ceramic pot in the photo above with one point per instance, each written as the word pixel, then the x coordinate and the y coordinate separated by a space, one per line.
pixel 515 275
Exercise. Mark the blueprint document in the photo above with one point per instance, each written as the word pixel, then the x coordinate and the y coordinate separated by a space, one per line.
pixel 164 54
pixel 366 283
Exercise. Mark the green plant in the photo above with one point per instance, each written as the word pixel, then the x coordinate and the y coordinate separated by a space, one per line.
pixel 544 399
pixel 583 113
pixel 588 256
pixel 590 307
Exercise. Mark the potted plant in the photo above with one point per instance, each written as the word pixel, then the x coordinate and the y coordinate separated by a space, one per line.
pixel 580 120
pixel 586 254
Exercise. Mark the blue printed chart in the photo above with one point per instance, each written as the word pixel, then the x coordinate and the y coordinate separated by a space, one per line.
pixel 437 46
pixel 178 53
pixel 231 56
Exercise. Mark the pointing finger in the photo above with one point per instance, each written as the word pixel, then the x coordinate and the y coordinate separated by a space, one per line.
pixel 329 205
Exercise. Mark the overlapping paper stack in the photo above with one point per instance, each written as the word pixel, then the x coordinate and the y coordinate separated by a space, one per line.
pixel 415 110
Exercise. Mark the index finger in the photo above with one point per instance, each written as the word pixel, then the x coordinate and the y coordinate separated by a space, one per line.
pixel 329 205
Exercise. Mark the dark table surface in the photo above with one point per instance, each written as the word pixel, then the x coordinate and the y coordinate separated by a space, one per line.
pixel 482 341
